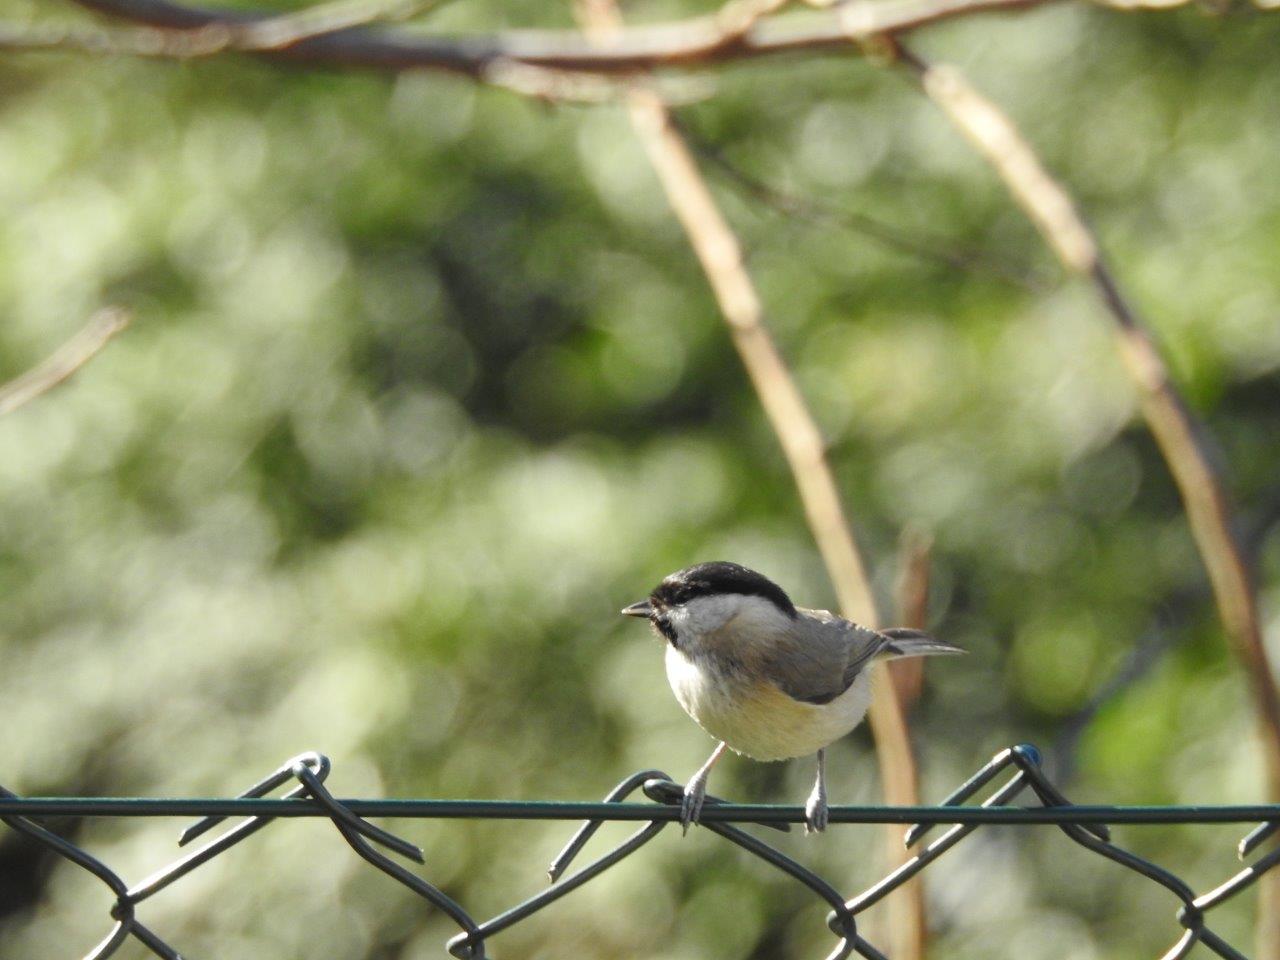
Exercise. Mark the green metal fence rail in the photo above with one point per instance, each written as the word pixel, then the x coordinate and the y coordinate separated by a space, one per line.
pixel 308 797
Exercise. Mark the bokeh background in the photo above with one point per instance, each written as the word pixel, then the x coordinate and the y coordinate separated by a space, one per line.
pixel 423 385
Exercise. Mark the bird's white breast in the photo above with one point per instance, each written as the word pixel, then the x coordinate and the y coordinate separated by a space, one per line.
pixel 754 717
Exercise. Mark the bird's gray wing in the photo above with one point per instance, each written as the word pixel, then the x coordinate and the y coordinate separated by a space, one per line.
pixel 819 659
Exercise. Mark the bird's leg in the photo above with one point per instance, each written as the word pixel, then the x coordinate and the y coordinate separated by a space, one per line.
pixel 695 791
pixel 815 808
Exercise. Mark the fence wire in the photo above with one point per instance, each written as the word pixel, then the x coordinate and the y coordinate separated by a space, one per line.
pixel 308 797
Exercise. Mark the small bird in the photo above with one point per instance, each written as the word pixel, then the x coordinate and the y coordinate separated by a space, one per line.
pixel 766 678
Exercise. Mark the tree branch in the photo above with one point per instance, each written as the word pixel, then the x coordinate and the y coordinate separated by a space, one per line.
pixel 792 205
pixel 1177 434
pixel 742 33
pixel 65 361
pixel 269 33
pixel 720 255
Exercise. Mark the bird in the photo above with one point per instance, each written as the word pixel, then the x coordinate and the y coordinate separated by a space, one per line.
pixel 767 679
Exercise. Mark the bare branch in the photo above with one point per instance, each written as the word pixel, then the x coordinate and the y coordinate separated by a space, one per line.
pixel 1144 4
pixel 909 933
pixel 820 212
pixel 138 42
pixel 720 255
pixel 745 31
pixel 536 82
pixel 1176 432
pixel 267 34
pixel 65 361
pixel 564 86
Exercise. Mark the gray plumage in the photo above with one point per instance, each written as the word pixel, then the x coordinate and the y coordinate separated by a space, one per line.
pixel 822 654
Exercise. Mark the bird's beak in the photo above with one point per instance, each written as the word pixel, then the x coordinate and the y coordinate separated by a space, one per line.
pixel 641 609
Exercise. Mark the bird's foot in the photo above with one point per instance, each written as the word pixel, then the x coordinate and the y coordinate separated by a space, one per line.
pixel 816 812
pixel 695 794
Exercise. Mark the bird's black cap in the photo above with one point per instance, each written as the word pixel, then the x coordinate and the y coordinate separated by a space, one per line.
pixel 714 579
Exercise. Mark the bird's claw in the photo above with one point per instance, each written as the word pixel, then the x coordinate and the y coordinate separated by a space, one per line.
pixel 695 794
pixel 816 812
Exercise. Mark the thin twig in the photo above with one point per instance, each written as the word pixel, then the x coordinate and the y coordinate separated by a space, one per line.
pixel 65 361
pixel 819 212
pixel 278 34
pixel 565 86
pixel 1178 435
pixel 1153 644
pixel 1140 659
pixel 720 255
pixel 526 79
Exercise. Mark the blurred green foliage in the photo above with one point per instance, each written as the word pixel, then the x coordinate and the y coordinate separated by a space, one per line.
pixel 424 385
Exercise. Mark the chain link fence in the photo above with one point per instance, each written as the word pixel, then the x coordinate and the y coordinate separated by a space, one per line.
pixel 1019 766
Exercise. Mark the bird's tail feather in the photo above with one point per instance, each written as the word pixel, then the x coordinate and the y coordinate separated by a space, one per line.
pixel 905 642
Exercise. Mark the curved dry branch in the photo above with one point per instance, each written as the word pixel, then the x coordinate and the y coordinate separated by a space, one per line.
pixel 1178 435
pixel 823 212
pixel 720 254
pixel 65 361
